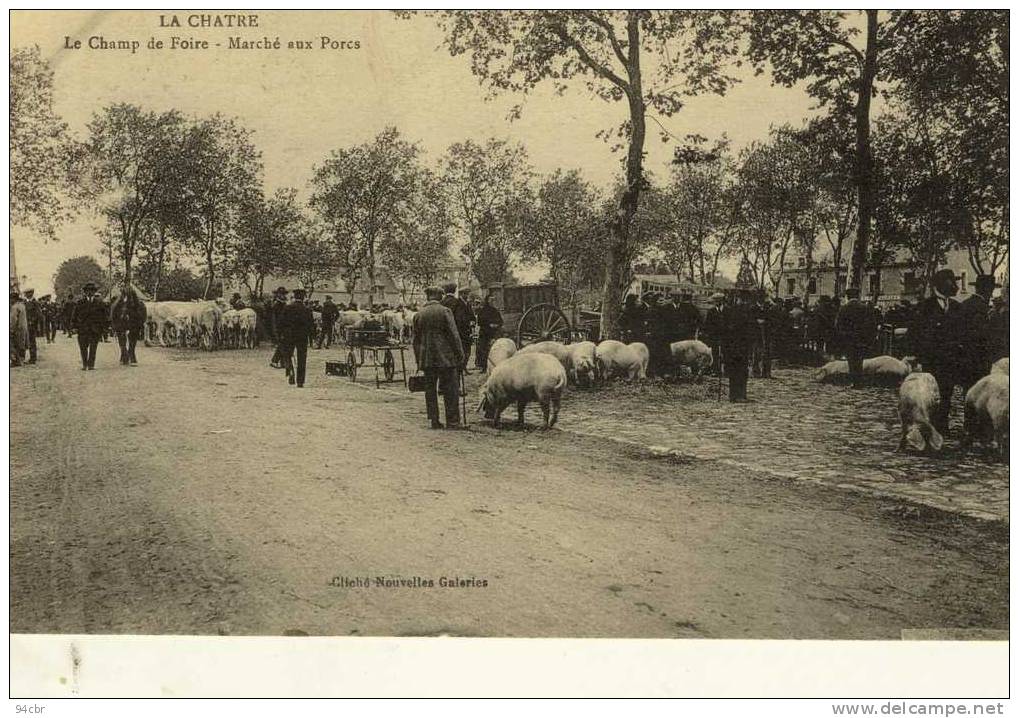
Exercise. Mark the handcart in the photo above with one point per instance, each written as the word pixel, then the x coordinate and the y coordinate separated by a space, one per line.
pixel 371 349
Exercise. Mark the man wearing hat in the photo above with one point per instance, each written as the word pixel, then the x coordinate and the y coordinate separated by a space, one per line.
pixel 297 325
pixel 935 340
pixel 711 333
pixel 975 329
pixel 34 316
pixel 279 303
pixel 998 328
pixel 688 319
pixel 18 329
pixel 632 319
pixel 462 315
pixel 856 328
pixel 49 318
pixel 439 354
pixel 90 321
pixel 330 313
pixel 740 332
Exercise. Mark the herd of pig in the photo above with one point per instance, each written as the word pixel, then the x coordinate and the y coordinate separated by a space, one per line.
pixel 540 372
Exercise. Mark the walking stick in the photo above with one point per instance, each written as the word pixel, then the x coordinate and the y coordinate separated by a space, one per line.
pixel 463 400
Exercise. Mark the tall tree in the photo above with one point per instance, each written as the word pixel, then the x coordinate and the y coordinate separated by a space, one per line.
pixel 265 227
pixel 652 60
pixel 40 148
pixel 224 173
pixel 484 185
pixel 841 55
pixel 414 253
pixel 365 195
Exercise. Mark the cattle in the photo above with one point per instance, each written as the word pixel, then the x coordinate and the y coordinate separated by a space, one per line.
pixel 501 350
pixel 247 320
pixel 692 353
pixel 617 359
pixel 523 378
pixel 986 413
pixel 918 403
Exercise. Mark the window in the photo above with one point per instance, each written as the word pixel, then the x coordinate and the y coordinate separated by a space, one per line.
pixel 790 285
pixel 875 284
pixel 812 285
pixel 910 284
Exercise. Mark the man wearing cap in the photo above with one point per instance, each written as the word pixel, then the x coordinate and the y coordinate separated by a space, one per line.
pixel 439 354
pixel 330 312
pixel 297 324
pixel 934 337
pixel 740 332
pixel 489 328
pixel 462 315
pixel 975 332
pixel 279 303
pixel 856 327
pixel 89 320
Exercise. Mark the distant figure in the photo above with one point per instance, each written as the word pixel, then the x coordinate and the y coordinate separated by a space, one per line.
pixel 279 303
pixel 740 331
pixel 18 330
pixel 974 324
pixel 711 333
pixel 632 320
pixel 297 325
pixel 935 341
pixel 330 312
pixel 856 327
pixel 439 354
pixel 34 315
pixel 998 328
pixel 236 302
pixel 489 329
pixel 127 317
pixel 90 320
pixel 688 319
pixel 462 316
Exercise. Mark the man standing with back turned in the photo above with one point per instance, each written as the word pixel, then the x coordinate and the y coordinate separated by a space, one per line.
pixel 440 356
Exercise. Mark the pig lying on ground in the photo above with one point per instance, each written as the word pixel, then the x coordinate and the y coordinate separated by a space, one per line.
pixel 881 371
pixel 692 353
pixel 918 402
pixel 556 349
pixel 582 364
pixel 523 378
pixel 501 350
pixel 617 359
pixel 986 414
pixel 1000 367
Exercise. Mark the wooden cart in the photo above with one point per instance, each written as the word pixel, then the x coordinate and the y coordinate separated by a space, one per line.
pixel 531 314
pixel 371 349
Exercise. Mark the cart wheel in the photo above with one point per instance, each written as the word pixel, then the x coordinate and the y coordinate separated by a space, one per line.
pixel 388 365
pixel 352 365
pixel 543 322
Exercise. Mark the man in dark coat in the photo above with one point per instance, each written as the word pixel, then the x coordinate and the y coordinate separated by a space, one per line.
pixel 127 317
pixel 90 319
pixel 974 322
pixel 740 332
pixel 34 315
pixel 688 319
pixel 279 303
pixel 489 329
pixel 632 320
pixel 856 327
pixel 67 313
pixel 236 302
pixel 439 354
pixel 462 316
pixel 330 312
pixel 711 333
pixel 935 340
pixel 998 328
pixel 296 327
pixel 660 327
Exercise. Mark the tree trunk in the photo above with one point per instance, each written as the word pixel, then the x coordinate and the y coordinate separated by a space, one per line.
pixel 864 161
pixel 159 263
pixel 619 256
pixel 208 259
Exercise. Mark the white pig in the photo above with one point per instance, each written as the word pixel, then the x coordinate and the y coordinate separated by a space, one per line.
pixel 692 353
pixel 617 359
pixel 524 378
pixel 501 350
pixel 919 400
pixel 986 414
pixel 1000 367
pixel 582 363
pixel 558 350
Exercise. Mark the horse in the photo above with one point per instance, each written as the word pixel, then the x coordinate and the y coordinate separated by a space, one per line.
pixel 127 317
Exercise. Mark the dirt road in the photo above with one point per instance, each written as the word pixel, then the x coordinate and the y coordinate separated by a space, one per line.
pixel 199 494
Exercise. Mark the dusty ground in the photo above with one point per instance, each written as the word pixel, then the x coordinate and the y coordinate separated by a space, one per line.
pixel 197 493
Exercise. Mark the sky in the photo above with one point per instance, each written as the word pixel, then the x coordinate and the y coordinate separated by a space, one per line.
pixel 301 104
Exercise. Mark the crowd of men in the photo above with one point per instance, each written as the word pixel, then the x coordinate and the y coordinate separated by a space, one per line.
pixel 748 331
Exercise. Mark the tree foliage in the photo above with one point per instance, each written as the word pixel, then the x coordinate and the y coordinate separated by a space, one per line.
pixel 73 273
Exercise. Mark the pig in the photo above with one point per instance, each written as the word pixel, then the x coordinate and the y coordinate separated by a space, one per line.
pixel 881 370
pixel 582 363
pixel 692 353
pixel 523 378
pixel 1000 367
pixel 986 413
pixel 501 350
pixel 556 349
pixel 919 399
pixel 617 359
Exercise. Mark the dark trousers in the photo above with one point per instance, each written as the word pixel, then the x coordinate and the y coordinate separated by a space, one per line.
pixel 87 345
pixel 33 349
pixel 287 352
pixel 447 381
pixel 128 340
pixel 466 342
pixel 738 371
pixel 481 353
pixel 326 335
pixel 947 379
pixel 660 356
pixel 854 357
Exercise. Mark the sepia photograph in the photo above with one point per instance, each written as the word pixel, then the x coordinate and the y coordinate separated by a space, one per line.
pixel 557 324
